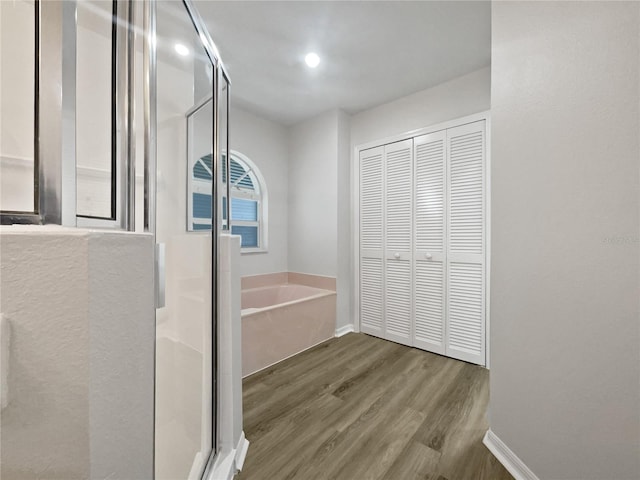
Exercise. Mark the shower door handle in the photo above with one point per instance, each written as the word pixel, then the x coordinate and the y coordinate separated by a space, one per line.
pixel 160 275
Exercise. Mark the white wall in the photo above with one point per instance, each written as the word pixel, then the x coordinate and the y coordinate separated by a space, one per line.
pixel 307 172
pixel 313 195
pixel 344 280
pixel 230 366
pixel 565 345
pixel 265 143
pixel 450 100
pixel 80 306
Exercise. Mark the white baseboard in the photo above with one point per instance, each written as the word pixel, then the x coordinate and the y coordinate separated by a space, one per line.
pixel 344 330
pixel 241 451
pixel 506 457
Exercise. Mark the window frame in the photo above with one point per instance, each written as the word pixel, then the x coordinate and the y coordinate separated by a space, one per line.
pixel 54 156
pixel 259 195
pixel 260 198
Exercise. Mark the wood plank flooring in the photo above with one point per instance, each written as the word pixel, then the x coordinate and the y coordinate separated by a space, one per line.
pixel 359 408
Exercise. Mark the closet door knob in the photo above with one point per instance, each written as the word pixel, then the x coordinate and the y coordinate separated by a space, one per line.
pixel 397 255
pixel 428 256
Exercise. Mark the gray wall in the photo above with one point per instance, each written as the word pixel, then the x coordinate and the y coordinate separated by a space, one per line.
pixel 565 345
pixel 313 195
pixel 456 98
pixel 344 279
pixel 265 143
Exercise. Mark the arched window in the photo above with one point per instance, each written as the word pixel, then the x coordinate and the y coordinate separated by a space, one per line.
pixel 248 200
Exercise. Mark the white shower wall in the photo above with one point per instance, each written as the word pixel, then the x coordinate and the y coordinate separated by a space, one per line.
pixel 80 307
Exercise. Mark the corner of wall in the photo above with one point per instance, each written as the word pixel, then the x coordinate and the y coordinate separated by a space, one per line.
pixel 230 354
pixel 121 420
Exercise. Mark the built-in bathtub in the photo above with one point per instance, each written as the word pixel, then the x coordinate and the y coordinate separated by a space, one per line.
pixel 279 321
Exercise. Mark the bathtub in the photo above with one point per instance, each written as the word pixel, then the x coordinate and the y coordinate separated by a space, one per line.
pixel 279 321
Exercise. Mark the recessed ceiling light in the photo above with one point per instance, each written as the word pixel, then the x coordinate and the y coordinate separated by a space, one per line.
pixel 181 49
pixel 312 60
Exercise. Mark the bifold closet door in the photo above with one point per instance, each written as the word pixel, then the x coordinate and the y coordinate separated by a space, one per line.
pixel 465 338
pixel 398 311
pixel 372 241
pixel 429 244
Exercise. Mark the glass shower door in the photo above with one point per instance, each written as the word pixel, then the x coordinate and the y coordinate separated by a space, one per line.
pixel 185 433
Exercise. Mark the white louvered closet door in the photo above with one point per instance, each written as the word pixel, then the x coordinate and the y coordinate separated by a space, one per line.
pixel 398 165
pixel 372 241
pixel 429 244
pixel 465 337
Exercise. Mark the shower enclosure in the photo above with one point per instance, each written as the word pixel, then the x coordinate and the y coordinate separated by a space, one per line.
pixel 125 109
pixel 188 77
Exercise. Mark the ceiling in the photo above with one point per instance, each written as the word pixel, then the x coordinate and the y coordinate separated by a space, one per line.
pixel 371 52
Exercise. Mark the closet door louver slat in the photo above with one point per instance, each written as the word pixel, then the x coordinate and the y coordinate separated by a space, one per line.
pixel 398 163
pixel 398 300
pixel 371 287
pixel 371 241
pixel 429 306
pixel 466 234
pixel 429 242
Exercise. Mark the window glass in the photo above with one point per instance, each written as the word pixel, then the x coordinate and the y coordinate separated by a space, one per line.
pixel 247 199
pixel 201 206
pixel 95 173
pixel 200 180
pixel 242 209
pixel 248 234
pixel 17 105
pixel 203 168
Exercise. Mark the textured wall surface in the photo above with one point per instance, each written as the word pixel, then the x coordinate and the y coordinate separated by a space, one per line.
pixel 313 195
pixel 565 345
pixel 450 100
pixel 80 305
pixel 230 341
pixel 344 279
pixel 265 143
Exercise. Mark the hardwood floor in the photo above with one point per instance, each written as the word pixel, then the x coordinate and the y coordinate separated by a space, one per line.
pixel 358 407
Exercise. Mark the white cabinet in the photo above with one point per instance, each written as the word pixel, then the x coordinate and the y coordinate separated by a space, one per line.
pixel 422 241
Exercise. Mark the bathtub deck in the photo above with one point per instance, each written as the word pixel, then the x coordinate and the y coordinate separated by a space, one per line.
pixel 358 407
